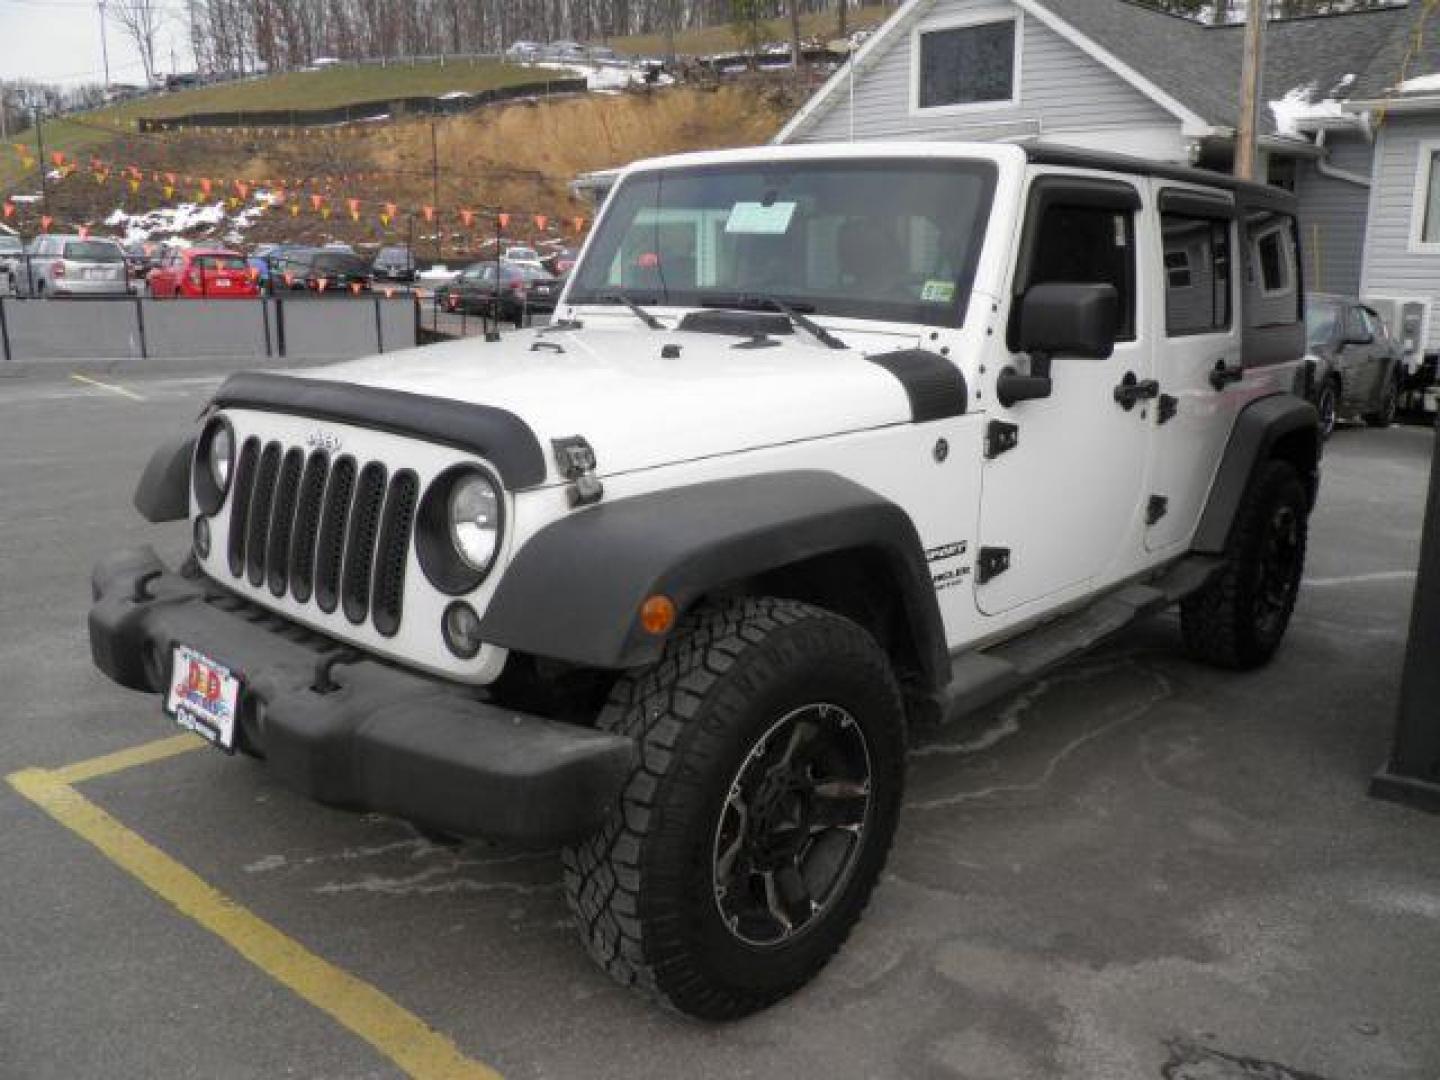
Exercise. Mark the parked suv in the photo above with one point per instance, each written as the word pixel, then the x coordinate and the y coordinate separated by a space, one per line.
pixel 1356 367
pixel 826 442
pixel 73 266
pixel 394 264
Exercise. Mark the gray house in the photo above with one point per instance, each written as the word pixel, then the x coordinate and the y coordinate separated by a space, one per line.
pixel 1350 114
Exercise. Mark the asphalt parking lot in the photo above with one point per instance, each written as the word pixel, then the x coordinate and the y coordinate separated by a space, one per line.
pixel 1136 868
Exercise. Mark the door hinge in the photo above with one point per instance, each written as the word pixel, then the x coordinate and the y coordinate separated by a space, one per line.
pixel 999 437
pixel 1158 507
pixel 994 561
pixel 1168 406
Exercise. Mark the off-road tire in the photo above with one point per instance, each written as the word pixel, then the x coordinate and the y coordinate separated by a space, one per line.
pixel 1238 620
pixel 642 889
pixel 1327 405
pixel 1384 416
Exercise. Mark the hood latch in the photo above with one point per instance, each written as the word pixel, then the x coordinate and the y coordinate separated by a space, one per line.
pixel 576 460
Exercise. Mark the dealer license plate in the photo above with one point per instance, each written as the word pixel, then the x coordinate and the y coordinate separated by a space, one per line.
pixel 203 696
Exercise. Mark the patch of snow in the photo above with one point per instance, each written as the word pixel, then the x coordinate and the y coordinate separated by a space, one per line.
pixel 1421 84
pixel 170 221
pixel 455 95
pixel 1296 108
pixel 24 200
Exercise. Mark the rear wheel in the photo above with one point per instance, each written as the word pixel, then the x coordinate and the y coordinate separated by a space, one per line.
pixel 1327 402
pixel 1239 618
pixel 1389 405
pixel 759 815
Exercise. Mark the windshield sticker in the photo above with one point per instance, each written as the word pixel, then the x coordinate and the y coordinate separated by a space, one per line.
pixel 757 219
pixel 938 292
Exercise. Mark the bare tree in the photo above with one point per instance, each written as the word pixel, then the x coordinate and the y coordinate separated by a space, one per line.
pixel 140 21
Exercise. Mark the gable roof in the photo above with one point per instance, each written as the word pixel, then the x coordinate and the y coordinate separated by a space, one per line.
pixel 1193 69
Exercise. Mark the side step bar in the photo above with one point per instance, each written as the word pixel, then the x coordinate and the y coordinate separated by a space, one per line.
pixel 979 677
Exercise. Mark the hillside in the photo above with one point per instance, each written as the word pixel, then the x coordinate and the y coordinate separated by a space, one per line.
pixel 517 158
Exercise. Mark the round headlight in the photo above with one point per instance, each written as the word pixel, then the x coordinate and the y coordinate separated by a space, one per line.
pixel 221 457
pixel 474 515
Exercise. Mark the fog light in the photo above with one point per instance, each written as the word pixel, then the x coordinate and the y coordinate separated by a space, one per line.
pixel 461 628
pixel 202 537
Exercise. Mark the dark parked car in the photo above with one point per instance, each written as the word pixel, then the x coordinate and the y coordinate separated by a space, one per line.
pixel 394 264
pixel 142 256
pixel 1356 365
pixel 319 270
pixel 524 291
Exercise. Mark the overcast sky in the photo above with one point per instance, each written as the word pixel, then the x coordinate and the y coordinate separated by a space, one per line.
pixel 59 41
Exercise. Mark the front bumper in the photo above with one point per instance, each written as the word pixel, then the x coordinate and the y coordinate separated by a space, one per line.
pixel 350 731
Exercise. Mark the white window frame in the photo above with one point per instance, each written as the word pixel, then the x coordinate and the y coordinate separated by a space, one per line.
pixel 1425 161
pixel 960 22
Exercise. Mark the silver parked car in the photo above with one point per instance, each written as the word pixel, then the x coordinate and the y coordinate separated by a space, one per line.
pixel 12 254
pixel 1355 365
pixel 61 265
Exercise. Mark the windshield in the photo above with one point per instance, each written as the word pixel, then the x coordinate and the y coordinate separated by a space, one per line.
pixel 1321 323
pixel 93 251
pixel 339 264
pixel 221 262
pixel 895 240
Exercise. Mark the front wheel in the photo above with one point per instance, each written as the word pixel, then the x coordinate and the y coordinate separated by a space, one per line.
pixel 1384 416
pixel 1238 619
pixel 1327 404
pixel 759 814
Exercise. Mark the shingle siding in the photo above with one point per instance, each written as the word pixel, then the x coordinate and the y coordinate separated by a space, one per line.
pixel 1390 266
pixel 1332 217
pixel 1061 88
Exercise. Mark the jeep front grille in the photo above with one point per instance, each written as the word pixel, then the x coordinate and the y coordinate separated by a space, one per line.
pixel 334 533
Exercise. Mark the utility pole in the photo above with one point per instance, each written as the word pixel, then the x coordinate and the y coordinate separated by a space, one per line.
pixel 35 111
pixel 435 188
pixel 1250 89
pixel 104 46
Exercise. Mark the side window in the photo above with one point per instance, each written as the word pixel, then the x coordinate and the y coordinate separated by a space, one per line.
pixel 1088 245
pixel 1197 274
pixel 1375 325
pixel 1272 271
pixel 1356 328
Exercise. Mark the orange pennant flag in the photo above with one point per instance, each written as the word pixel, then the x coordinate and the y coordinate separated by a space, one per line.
pixel 579 224
pixel 320 284
pixel 389 293
pixel 206 184
pixel 315 201
pixel 354 205
pixel 504 220
pixel 9 209
pixel 390 209
pixel 243 188
pixel 58 157
pixel 84 232
pixel 45 221
pixel 429 212
pixel 289 278
pixel 467 216
pixel 170 178
pixel 541 221
pixel 278 197
pixel 355 287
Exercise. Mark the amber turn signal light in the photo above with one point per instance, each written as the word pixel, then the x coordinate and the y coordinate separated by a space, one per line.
pixel 657 614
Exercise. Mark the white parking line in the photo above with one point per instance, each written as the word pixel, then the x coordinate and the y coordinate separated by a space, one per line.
pixel 122 391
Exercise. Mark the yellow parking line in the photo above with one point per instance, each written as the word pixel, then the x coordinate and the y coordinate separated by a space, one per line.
pixel 107 386
pixel 400 1035
pixel 144 754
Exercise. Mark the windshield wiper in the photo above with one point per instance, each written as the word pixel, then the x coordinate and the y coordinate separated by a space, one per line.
pixel 754 302
pixel 640 313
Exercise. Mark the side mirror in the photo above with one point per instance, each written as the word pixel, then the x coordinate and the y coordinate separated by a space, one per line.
pixel 1065 319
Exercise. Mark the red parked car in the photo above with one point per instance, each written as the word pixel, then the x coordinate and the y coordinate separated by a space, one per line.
pixel 202 273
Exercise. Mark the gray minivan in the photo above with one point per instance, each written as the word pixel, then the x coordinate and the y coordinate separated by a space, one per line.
pixel 61 265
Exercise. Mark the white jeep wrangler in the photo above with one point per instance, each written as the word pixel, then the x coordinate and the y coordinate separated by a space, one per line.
pixel 824 441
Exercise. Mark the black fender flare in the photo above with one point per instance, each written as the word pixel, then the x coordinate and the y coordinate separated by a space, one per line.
pixel 573 592
pixel 1263 426
pixel 163 493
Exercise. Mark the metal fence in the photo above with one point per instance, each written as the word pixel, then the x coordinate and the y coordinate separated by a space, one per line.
pixel 138 328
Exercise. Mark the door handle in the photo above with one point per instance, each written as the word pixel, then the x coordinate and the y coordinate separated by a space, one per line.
pixel 1223 374
pixel 1132 390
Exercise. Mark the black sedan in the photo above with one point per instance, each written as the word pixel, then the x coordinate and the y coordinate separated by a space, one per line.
pixel 319 270
pixel 1355 364
pixel 523 291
